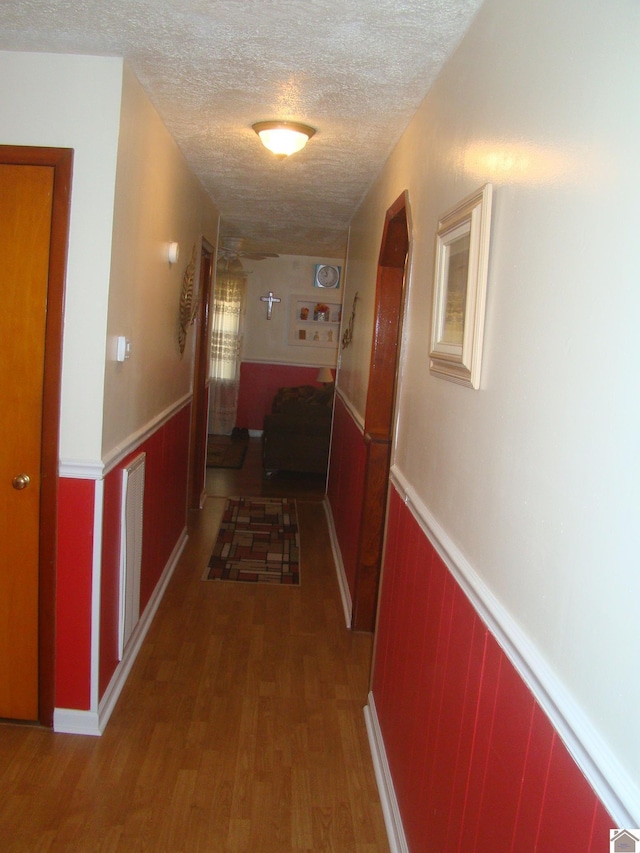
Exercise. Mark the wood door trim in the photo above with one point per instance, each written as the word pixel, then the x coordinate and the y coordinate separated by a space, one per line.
pixel 378 455
pixel 387 329
pixel 61 160
pixel 200 411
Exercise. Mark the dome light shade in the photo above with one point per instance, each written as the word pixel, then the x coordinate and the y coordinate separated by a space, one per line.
pixel 283 137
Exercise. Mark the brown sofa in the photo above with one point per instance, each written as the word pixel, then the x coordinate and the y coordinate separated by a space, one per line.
pixel 296 434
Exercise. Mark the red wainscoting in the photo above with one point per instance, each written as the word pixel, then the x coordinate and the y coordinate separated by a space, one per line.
pixel 164 520
pixel 165 511
pixel 346 486
pixel 476 764
pixel 73 593
pixel 258 386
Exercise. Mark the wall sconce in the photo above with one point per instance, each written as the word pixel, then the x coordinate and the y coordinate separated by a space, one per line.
pixel 325 376
pixel 283 138
pixel 173 252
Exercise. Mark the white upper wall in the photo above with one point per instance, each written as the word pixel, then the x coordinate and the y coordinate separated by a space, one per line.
pixel 535 477
pixel 132 193
pixel 286 276
pixel 158 201
pixel 74 102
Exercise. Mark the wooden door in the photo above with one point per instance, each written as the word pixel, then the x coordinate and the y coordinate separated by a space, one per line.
pixel 26 194
pixel 34 213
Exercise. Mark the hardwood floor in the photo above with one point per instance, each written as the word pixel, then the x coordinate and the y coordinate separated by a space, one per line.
pixel 240 727
pixel 249 482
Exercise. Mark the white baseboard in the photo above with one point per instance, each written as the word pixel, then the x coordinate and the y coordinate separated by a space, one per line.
pixel 69 721
pixel 343 583
pixel 72 722
pixel 388 800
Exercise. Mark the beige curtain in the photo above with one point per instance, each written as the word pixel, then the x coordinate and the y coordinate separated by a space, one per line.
pixel 226 348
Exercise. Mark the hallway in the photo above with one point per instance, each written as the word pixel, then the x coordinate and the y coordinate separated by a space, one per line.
pixel 248 480
pixel 240 729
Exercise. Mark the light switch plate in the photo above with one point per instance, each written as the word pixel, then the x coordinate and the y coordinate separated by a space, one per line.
pixel 123 348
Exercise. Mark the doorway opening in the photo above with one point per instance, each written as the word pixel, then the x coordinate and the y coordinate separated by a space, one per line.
pixel 200 411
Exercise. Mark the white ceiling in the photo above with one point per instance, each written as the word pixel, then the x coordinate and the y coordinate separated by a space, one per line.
pixel 355 71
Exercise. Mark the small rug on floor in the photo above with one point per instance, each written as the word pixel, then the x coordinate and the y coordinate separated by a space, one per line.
pixel 258 542
pixel 224 453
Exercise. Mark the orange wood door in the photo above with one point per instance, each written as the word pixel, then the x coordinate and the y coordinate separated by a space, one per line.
pixel 25 215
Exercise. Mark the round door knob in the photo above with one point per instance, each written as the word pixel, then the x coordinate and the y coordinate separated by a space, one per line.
pixel 21 481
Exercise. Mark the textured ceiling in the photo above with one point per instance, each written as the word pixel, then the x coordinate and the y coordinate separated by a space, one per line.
pixel 355 71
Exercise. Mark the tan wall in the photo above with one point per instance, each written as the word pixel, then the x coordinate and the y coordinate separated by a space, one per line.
pixel 157 201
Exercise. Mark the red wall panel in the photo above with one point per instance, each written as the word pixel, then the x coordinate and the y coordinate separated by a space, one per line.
pixel 476 764
pixel 165 511
pixel 345 488
pixel 164 519
pixel 601 827
pixel 534 778
pixel 471 652
pixel 568 803
pixel 508 741
pixel 73 594
pixel 169 502
pixel 258 386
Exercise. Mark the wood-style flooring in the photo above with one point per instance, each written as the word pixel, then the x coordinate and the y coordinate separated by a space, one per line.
pixel 249 482
pixel 240 727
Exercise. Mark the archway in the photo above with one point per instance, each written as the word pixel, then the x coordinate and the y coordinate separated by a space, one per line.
pixel 378 427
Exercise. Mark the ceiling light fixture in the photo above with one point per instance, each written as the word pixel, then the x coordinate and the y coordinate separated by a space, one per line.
pixel 283 137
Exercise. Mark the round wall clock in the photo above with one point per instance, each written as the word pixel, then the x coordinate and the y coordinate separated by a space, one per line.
pixel 327 276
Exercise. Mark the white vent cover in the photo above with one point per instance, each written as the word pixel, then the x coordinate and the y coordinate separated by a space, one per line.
pixel 131 548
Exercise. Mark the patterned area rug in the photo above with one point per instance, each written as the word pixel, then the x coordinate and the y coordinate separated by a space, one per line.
pixel 258 542
pixel 225 453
